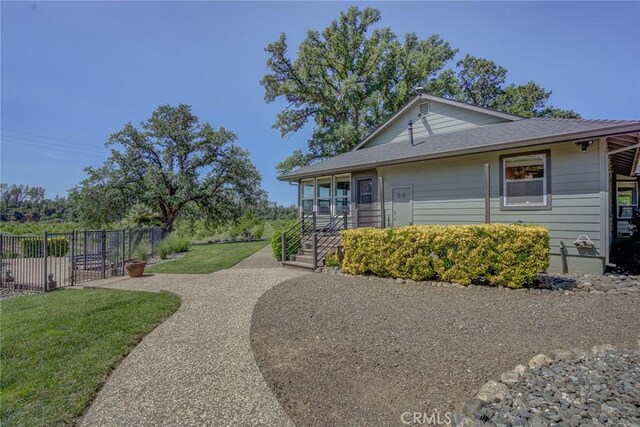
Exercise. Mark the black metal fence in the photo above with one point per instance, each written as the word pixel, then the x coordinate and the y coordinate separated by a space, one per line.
pixel 48 261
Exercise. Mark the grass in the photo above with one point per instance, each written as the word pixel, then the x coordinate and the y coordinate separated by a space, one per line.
pixel 208 258
pixel 56 349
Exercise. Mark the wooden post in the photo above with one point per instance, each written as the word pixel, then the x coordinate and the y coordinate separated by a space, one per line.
pixel 315 250
pixel 487 193
pixel 284 247
pixel 313 216
pixel 345 218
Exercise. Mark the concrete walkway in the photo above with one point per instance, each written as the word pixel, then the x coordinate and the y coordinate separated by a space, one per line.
pixel 197 367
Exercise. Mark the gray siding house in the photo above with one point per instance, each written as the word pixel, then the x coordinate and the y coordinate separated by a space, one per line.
pixel 438 161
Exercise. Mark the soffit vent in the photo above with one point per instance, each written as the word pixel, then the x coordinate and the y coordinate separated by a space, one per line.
pixel 424 109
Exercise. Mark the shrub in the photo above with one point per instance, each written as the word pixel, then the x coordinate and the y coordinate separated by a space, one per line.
pixel 332 260
pixel 497 254
pixel 276 244
pixel 257 231
pixel 141 252
pixel 172 244
pixel 56 246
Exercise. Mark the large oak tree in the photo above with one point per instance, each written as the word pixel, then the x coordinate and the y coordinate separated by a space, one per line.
pixel 350 77
pixel 171 163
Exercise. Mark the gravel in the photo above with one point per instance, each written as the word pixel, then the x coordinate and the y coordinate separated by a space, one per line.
pixel 592 389
pixel 345 350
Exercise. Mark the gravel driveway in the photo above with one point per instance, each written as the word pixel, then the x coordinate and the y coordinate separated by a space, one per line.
pixel 352 351
pixel 197 367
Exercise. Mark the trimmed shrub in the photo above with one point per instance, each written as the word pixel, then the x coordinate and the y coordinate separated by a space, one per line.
pixel 276 244
pixel 496 254
pixel 56 246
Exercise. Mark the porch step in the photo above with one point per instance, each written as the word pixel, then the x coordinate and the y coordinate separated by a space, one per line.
pixel 303 257
pixel 298 265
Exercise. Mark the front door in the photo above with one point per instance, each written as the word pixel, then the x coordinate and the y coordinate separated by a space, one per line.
pixel 364 199
pixel 401 207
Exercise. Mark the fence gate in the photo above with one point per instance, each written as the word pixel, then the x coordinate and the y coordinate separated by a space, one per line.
pixel 48 261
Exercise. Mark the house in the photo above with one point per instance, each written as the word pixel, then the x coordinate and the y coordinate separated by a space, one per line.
pixel 438 161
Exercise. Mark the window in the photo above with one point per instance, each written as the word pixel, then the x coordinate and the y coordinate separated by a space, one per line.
pixel 627 197
pixel 365 191
pixel 324 196
pixel 342 194
pixel 306 196
pixel 525 181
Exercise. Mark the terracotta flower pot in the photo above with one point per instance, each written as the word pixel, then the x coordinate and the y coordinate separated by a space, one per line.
pixel 136 268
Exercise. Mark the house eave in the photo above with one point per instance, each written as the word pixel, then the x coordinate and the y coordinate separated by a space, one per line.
pixel 569 137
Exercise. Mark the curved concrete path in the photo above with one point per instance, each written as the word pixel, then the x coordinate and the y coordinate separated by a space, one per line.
pixel 196 368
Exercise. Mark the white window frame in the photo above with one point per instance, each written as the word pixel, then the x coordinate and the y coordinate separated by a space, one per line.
pixel 632 205
pixel 546 180
pixel 302 198
pixel 334 203
pixel 317 194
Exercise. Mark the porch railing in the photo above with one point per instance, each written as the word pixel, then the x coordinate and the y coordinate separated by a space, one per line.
pixel 328 239
pixel 369 215
pixel 293 238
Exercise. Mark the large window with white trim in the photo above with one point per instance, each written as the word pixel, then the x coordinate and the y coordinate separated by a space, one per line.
pixel 323 195
pixel 306 196
pixel 525 181
pixel 342 194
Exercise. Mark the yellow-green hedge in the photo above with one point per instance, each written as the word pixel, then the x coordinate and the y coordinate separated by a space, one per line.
pixel 498 254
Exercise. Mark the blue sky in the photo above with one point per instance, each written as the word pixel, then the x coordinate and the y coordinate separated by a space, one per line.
pixel 73 72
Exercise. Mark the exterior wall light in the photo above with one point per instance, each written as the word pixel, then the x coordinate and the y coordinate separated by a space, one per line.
pixel 584 145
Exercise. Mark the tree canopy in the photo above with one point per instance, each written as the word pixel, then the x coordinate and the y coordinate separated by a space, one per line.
pixel 350 77
pixel 172 163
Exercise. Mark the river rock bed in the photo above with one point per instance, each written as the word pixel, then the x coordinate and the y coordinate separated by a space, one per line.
pixel 562 283
pixel 613 283
pixel 595 388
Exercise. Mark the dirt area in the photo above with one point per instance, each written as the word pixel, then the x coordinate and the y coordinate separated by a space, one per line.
pixel 352 351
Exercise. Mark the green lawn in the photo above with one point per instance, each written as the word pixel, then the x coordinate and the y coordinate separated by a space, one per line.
pixel 56 349
pixel 207 258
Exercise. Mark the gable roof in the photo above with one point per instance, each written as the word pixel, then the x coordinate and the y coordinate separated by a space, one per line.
pixel 519 133
pixel 424 97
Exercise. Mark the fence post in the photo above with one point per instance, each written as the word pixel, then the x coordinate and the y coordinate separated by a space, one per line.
pixel 103 249
pixel 44 254
pixel 72 264
pixel 123 250
pixel 284 247
pixel 84 247
pixel 345 218
pixel 313 216
pixel 315 250
pixel 130 249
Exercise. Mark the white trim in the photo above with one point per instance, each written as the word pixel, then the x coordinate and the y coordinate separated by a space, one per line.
pixel 606 230
pixel 545 193
pixel 396 187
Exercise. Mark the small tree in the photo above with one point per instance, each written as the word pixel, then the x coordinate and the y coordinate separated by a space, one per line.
pixel 141 215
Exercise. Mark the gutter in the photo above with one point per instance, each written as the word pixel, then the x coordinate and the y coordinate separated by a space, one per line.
pixel 572 137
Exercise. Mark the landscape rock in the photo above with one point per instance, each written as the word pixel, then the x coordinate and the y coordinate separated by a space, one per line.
pixel 492 391
pixel 520 369
pixel 597 388
pixel 539 361
pixel 510 377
